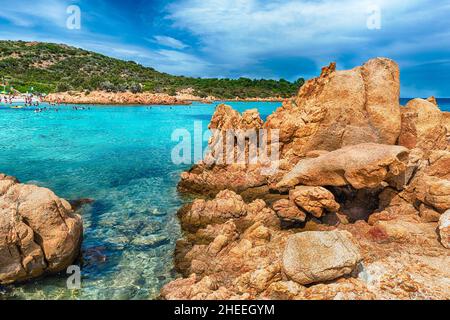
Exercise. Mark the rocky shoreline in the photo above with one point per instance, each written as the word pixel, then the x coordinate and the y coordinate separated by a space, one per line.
pixel 145 98
pixel 111 98
pixel 359 208
pixel 39 232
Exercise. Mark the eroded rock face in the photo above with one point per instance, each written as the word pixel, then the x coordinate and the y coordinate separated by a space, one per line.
pixel 244 258
pixel 342 108
pixel 318 256
pixel 314 200
pixel 39 233
pixel 289 211
pixel 431 184
pixel 337 109
pixel 446 121
pixel 361 166
pixel 423 126
pixel 345 195
pixel 444 229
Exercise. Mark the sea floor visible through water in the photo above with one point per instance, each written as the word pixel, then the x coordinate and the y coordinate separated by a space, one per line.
pixel 121 158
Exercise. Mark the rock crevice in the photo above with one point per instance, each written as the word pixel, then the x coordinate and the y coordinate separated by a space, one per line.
pixel 357 210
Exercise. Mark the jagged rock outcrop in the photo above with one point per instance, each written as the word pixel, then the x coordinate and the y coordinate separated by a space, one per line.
pixel 444 229
pixel 446 121
pixel 319 256
pixel 337 109
pixel 342 108
pixel 430 186
pixel 423 126
pixel 213 173
pixel 358 208
pixel 39 232
pixel 244 258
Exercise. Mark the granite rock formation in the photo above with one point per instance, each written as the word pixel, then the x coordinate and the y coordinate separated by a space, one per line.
pixel 39 232
pixel 358 208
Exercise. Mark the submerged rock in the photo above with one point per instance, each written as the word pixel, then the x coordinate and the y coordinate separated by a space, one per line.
pixel 318 256
pixel 39 232
pixel 79 203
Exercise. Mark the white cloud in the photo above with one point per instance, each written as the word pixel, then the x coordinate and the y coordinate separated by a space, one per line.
pixel 178 63
pixel 242 31
pixel 164 60
pixel 169 42
pixel 28 13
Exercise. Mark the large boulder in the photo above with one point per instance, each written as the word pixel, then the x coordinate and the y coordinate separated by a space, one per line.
pixel 444 229
pixel 342 108
pixel 226 205
pixel 287 210
pixel 39 232
pixel 446 121
pixel 334 110
pixel 361 166
pixel 423 126
pixel 318 256
pixel 314 200
pixel 431 184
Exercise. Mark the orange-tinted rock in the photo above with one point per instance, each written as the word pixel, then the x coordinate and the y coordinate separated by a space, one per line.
pixel 318 256
pixel 423 126
pixel 361 166
pixel 314 200
pixel 288 210
pixel 444 229
pixel 338 153
pixel 122 98
pixel 342 108
pixel 39 233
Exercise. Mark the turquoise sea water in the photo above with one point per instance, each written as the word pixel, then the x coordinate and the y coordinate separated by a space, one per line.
pixel 121 158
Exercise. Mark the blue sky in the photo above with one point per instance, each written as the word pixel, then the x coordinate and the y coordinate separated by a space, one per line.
pixel 252 38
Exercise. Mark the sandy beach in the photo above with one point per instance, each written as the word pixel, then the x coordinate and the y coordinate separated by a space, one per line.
pixel 145 98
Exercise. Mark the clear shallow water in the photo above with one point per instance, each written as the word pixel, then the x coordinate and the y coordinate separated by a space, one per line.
pixel 121 158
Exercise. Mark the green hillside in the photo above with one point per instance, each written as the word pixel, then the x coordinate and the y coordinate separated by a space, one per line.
pixel 51 67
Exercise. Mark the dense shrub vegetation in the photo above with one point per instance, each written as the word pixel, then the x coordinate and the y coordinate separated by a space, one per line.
pixel 54 68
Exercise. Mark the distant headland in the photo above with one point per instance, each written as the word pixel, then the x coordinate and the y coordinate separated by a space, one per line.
pixel 73 75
